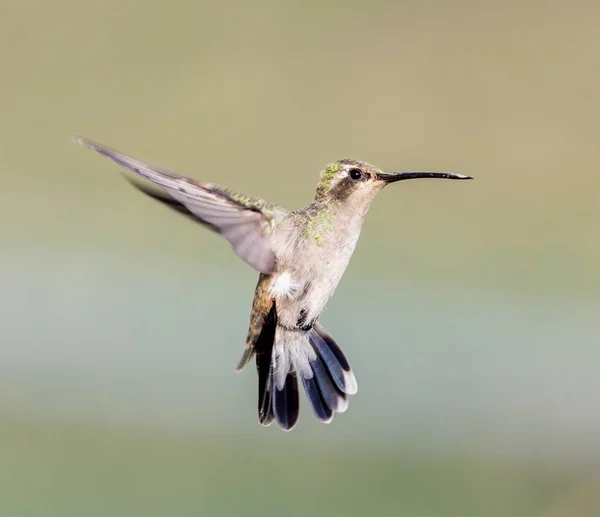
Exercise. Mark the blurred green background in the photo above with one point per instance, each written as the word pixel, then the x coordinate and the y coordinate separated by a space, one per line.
pixel 469 311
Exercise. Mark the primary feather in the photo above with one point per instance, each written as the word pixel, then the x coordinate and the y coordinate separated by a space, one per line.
pixel 246 222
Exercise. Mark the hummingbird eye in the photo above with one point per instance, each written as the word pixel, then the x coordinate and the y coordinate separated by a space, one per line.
pixel 355 174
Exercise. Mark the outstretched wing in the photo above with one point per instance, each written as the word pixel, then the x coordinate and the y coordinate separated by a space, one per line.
pixel 245 222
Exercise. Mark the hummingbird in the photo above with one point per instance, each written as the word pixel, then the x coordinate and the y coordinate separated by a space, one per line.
pixel 300 256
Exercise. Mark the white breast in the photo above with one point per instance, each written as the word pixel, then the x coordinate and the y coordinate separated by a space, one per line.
pixel 327 279
pixel 309 271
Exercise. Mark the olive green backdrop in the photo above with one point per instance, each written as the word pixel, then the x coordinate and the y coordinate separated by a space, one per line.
pixel 469 311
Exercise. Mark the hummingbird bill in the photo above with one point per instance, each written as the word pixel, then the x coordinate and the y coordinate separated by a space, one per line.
pixel 300 256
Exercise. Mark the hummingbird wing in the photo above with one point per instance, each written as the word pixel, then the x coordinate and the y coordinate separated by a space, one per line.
pixel 246 222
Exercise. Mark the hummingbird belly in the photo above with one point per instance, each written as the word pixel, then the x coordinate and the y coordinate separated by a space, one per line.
pixel 302 288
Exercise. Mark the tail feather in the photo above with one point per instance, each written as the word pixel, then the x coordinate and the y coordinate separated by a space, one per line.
pixel 265 388
pixel 332 397
pixel 334 359
pixel 286 403
pixel 320 409
pixel 284 356
pixel 264 366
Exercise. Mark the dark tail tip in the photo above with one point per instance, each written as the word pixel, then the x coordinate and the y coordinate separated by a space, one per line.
pixel 334 360
pixel 332 379
pixel 282 405
pixel 264 353
pixel 320 408
pixel 265 387
pixel 286 403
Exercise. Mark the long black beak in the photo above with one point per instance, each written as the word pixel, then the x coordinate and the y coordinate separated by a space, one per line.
pixel 399 176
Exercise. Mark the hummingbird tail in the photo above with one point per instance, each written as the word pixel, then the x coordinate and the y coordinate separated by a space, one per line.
pixel 315 359
pixel 283 357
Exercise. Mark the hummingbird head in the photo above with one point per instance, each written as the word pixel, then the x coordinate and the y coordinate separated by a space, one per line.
pixel 357 183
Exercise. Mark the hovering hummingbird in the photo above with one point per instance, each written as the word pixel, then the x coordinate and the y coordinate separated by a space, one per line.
pixel 301 256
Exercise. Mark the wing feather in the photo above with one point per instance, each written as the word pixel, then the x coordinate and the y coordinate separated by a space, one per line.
pixel 245 222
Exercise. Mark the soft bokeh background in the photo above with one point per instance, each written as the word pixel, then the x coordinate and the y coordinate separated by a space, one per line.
pixel 470 310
